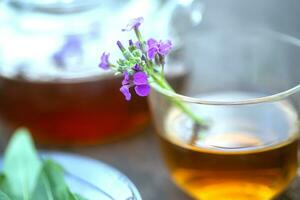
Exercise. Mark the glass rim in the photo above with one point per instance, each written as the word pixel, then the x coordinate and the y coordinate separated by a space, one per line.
pixel 264 99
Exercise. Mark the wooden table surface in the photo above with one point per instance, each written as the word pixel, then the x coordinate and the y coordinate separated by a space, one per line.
pixel 139 158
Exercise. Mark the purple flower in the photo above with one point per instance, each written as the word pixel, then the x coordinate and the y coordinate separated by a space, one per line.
pixel 136 68
pixel 140 78
pixel 142 90
pixel 142 87
pixel 125 90
pixel 72 48
pixel 133 24
pixel 137 45
pixel 120 45
pixel 130 43
pixel 140 83
pixel 73 43
pixel 158 47
pixel 58 58
pixel 126 80
pixel 104 64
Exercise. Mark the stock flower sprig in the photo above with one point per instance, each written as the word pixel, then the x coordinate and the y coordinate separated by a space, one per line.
pixel 142 65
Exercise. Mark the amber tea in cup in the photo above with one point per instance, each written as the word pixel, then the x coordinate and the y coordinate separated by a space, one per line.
pixel 242 156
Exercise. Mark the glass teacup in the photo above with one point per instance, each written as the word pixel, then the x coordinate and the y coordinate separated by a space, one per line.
pixel 248 96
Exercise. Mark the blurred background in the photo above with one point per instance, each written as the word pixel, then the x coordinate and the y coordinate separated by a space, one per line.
pixel 50 82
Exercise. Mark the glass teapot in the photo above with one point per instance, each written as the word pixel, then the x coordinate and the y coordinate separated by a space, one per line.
pixel 49 52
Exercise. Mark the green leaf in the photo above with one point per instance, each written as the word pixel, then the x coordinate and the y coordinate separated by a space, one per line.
pixel 4 196
pixel 78 197
pixel 51 184
pixel 21 165
pixel 25 177
pixel 4 187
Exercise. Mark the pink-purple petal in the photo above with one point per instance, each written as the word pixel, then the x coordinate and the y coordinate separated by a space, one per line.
pixel 140 78
pixel 125 91
pixel 104 63
pixel 165 47
pixel 142 90
pixel 136 68
pixel 126 79
pixel 133 23
pixel 151 53
pixel 152 43
pixel 137 45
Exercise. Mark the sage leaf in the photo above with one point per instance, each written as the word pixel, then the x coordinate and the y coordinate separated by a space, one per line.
pixel 21 165
pixel 4 196
pixel 78 197
pixel 4 187
pixel 26 177
pixel 51 184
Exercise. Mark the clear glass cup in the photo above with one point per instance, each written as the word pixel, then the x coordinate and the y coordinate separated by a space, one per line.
pixel 245 84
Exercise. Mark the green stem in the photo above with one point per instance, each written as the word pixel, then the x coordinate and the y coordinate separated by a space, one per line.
pixel 140 39
pixel 164 84
pixel 160 80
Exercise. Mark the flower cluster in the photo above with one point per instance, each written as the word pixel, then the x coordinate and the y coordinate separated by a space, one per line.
pixel 142 65
pixel 139 61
